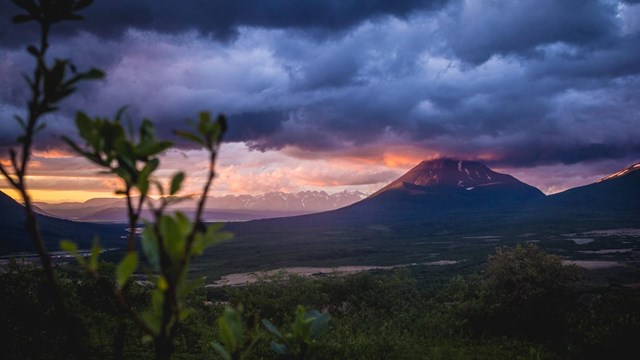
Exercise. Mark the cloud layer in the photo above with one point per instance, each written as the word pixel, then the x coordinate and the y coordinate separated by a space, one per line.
pixel 514 83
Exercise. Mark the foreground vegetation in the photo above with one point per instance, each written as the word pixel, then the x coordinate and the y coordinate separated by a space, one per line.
pixel 524 305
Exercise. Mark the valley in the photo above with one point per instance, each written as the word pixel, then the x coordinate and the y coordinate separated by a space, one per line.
pixel 431 215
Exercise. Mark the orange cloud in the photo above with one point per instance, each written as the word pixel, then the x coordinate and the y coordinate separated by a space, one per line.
pixel 53 154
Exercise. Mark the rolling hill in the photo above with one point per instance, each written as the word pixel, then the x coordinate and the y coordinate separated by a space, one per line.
pixel 616 193
pixel 15 239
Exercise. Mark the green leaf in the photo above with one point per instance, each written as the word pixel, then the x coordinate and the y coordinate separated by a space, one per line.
pixel 33 50
pixel 121 111
pixel 85 126
pixel 69 246
pixel 173 237
pixel 126 267
pixel 184 313
pixel 184 224
pixel 143 177
pixel 20 121
pixel 162 283
pixel 95 254
pixel 152 322
pixel 157 302
pixel 147 339
pixel 319 324
pixel 231 330
pixel 150 247
pixel 94 74
pixel 204 123
pixel 72 248
pixel 186 287
pixel 272 328
pixel 224 354
pixel 151 148
pixel 278 348
pixel 190 137
pixel 222 121
pixel 150 167
pixel 176 182
pixel 211 237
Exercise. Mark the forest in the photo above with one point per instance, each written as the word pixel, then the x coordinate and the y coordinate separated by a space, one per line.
pixel 525 304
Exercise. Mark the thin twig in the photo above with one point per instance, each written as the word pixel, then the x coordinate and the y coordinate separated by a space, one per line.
pixel 8 176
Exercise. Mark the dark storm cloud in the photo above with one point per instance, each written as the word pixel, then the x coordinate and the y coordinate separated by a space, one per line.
pixel 524 82
pixel 220 19
pixel 532 154
pixel 619 58
pixel 255 126
pixel 502 27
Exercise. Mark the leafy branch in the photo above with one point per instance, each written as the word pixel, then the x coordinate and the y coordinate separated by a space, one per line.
pixel 305 330
pixel 169 242
pixel 49 84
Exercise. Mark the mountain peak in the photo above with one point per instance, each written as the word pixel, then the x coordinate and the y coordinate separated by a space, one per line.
pixel 450 173
pixel 623 172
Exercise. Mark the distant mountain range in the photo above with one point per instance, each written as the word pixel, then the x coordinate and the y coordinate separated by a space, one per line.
pixel 445 194
pixel 436 196
pixel 222 208
pixel 436 189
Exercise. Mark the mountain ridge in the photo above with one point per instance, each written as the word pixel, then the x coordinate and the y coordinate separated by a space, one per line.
pixel 15 238
pixel 417 204
pixel 219 208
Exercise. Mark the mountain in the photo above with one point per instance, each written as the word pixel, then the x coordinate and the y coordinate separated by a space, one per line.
pixel 219 208
pixel 14 237
pixel 306 201
pixel 613 194
pixel 448 199
pixel 77 210
pixel 448 186
pixel 456 176
pixel 443 191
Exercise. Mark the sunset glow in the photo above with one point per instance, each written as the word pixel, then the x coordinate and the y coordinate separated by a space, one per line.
pixel 352 104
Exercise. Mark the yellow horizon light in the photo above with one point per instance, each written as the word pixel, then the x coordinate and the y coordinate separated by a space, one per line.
pixel 59 196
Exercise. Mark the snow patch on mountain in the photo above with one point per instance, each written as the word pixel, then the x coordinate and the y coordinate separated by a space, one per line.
pixel 301 201
pixel 622 172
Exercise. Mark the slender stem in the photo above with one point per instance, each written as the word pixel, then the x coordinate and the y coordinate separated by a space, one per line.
pixel 37 106
pixel 171 309
pixel 37 103
pixel 205 191
pixel 201 203
pixel 8 176
pixel 133 221
pixel 164 340
pixel 122 303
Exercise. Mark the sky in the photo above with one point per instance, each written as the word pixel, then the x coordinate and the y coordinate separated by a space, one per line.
pixel 344 94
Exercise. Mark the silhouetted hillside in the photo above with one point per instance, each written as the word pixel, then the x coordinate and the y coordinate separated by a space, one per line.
pixel 616 193
pixel 14 237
